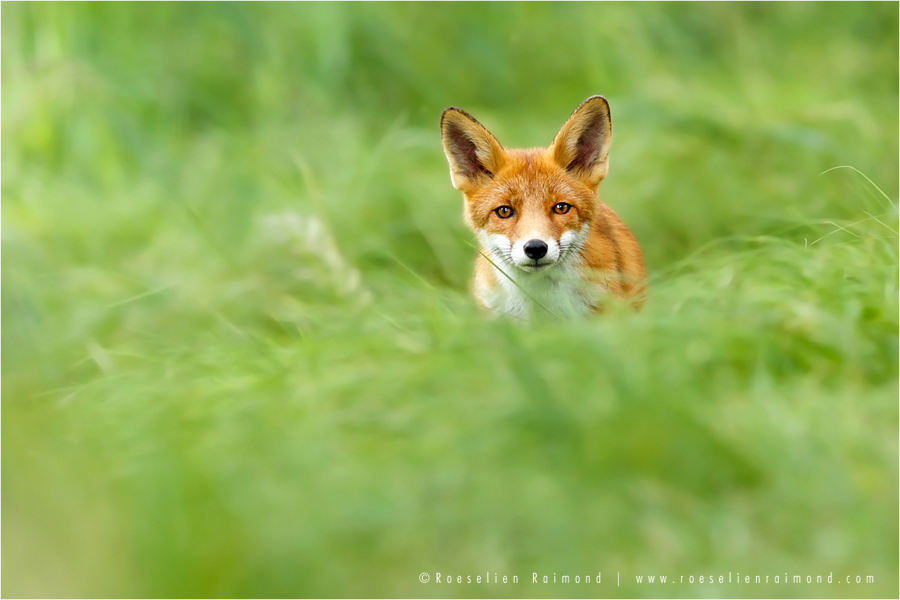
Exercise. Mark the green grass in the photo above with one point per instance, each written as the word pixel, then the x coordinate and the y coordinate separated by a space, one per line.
pixel 239 354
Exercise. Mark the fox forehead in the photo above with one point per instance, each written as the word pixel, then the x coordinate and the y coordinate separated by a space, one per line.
pixel 529 181
pixel 529 175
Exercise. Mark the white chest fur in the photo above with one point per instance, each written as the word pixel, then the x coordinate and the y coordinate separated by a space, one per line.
pixel 563 290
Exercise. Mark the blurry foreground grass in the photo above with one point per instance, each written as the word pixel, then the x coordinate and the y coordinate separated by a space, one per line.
pixel 240 359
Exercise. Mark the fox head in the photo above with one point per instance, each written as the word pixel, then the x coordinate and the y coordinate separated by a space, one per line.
pixel 531 209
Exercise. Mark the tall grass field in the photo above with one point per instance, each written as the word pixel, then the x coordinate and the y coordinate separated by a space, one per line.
pixel 240 356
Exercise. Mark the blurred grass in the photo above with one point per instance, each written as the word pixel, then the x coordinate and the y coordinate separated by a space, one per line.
pixel 239 354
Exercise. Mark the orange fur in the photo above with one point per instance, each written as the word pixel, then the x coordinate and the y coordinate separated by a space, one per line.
pixel 539 220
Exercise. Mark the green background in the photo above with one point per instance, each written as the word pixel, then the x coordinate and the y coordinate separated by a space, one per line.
pixel 239 354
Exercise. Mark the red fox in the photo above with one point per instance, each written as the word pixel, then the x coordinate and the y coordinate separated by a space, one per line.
pixel 547 243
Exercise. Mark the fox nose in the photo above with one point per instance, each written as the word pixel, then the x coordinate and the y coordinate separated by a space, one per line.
pixel 535 249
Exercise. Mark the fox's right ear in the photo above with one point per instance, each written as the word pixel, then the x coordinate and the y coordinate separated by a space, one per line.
pixel 474 154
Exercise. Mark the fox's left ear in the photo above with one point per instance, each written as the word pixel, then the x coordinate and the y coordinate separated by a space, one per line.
pixel 582 145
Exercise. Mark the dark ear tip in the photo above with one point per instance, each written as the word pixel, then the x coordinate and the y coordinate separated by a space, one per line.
pixel 460 112
pixel 598 100
pixel 450 110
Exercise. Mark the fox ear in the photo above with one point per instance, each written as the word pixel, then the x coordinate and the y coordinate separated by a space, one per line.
pixel 474 154
pixel 582 145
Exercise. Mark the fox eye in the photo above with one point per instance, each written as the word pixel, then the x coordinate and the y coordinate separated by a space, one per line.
pixel 504 212
pixel 561 208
